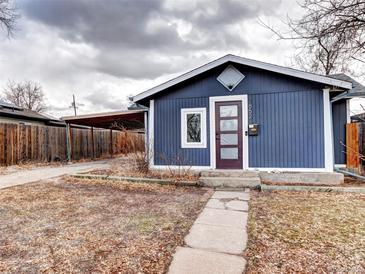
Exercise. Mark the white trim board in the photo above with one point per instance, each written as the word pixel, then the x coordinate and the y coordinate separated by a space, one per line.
pixel 151 117
pixel 289 169
pixel 348 111
pixel 212 101
pixel 248 62
pixel 167 167
pixel 265 169
pixel 203 129
pixel 328 131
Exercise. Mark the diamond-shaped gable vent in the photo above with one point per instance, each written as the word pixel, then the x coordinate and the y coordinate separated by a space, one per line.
pixel 230 77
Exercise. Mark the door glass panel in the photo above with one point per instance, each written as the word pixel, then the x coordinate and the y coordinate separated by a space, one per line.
pixel 226 125
pixel 229 139
pixel 228 111
pixel 229 153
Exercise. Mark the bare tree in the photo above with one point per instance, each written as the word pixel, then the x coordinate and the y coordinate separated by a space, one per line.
pixel 8 16
pixel 330 36
pixel 27 94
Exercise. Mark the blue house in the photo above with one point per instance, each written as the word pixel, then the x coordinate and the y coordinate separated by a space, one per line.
pixel 238 113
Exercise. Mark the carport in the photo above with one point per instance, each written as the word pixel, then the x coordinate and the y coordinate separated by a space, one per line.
pixel 131 120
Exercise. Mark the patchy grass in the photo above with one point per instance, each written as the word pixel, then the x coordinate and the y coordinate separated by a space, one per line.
pixel 83 226
pixel 306 232
pixel 126 167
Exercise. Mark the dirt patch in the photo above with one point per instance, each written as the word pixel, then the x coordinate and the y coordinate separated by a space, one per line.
pixel 82 226
pixel 353 182
pixel 126 167
pixel 348 182
pixel 306 232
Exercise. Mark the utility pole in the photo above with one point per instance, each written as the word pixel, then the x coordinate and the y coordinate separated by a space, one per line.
pixel 73 104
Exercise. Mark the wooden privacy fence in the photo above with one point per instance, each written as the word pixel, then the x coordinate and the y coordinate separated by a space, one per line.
pixel 355 147
pixel 31 143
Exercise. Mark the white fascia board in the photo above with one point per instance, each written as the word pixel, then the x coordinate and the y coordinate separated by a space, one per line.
pixel 248 62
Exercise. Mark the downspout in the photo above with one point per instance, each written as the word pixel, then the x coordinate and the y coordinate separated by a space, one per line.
pixel 349 173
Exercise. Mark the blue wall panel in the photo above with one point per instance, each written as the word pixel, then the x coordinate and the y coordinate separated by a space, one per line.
pixel 339 116
pixel 167 134
pixel 289 111
pixel 291 130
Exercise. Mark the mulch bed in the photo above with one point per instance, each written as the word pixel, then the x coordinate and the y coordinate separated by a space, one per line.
pixel 306 232
pixel 82 226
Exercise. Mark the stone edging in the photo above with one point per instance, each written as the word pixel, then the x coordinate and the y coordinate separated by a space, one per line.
pixel 313 188
pixel 136 179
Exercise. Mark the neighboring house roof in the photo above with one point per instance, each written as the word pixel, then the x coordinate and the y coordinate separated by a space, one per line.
pixel 248 62
pixel 358 117
pixel 10 110
pixel 358 90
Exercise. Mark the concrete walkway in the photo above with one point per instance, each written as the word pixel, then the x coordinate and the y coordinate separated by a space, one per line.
pixel 217 238
pixel 33 175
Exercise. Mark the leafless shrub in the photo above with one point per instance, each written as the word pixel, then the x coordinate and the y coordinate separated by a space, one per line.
pixel 140 162
pixel 178 166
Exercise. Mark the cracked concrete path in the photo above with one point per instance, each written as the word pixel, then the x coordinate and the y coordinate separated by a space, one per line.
pixel 217 238
pixel 33 175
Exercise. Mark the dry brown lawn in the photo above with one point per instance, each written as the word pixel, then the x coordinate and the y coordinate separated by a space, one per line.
pixel 84 226
pixel 306 232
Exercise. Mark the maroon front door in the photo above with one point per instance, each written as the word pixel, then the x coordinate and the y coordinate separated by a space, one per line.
pixel 228 134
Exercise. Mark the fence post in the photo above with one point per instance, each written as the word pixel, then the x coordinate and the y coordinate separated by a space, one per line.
pixel 111 143
pixel 68 141
pixel 92 143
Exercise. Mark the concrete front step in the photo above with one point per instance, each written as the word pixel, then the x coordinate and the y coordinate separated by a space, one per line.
pixel 229 173
pixel 231 182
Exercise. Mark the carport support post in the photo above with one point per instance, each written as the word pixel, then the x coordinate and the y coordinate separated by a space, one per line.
pixel 146 142
pixel 68 142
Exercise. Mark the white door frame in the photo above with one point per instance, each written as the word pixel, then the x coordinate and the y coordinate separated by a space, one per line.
pixel 212 101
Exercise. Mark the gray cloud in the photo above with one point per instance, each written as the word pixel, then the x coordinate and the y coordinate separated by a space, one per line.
pixel 104 99
pixel 130 34
pixel 105 50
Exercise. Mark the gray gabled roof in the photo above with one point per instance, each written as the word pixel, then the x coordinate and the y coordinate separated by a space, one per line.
pixel 356 86
pixel 8 105
pixel 11 110
pixel 248 62
pixel 358 90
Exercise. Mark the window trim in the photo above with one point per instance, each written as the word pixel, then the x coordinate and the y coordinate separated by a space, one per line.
pixel 203 113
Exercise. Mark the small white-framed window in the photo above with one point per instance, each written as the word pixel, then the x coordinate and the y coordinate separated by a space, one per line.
pixel 193 128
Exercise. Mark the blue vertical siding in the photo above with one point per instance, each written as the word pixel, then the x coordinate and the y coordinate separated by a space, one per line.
pixel 256 81
pixel 167 134
pixel 339 117
pixel 291 130
pixel 289 111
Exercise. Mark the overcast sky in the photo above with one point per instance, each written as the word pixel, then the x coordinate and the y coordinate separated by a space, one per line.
pixel 105 51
